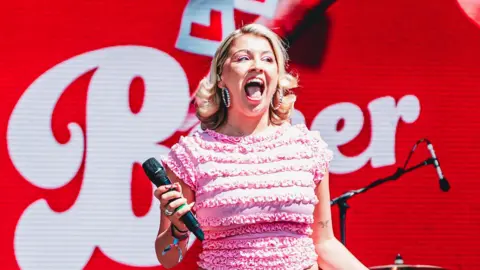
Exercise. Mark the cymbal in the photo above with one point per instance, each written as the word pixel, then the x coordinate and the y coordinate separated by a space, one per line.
pixel 405 267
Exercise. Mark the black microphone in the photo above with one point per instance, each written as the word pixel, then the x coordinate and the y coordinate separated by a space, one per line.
pixel 444 185
pixel 156 173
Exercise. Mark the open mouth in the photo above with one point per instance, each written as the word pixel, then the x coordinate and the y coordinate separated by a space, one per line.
pixel 254 88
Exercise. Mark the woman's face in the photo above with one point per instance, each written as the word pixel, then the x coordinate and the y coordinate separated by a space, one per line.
pixel 251 75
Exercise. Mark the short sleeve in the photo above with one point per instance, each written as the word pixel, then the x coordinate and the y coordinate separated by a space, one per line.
pixel 322 156
pixel 182 163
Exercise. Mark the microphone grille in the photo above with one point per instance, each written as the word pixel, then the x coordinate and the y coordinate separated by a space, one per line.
pixel 151 167
pixel 444 185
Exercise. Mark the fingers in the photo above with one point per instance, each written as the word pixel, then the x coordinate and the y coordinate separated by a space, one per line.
pixel 172 206
pixel 183 209
pixel 180 211
pixel 172 200
pixel 169 196
pixel 179 206
pixel 167 188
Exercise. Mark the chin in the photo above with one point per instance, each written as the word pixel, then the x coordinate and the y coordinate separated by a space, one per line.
pixel 251 110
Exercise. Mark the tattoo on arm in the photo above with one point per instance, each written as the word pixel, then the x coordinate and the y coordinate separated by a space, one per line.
pixel 324 224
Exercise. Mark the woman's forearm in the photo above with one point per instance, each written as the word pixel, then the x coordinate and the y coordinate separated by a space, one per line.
pixel 170 258
pixel 332 254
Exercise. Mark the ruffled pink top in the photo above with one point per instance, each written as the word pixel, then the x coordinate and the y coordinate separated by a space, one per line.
pixel 254 195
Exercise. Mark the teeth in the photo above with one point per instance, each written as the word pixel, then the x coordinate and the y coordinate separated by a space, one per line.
pixel 255 80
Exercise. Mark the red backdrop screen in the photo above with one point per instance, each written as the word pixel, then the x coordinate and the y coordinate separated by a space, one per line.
pixel 90 89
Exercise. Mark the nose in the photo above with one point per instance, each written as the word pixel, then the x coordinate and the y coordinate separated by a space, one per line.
pixel 257 66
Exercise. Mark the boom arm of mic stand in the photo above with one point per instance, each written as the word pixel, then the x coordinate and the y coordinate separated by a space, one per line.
pixel 342 199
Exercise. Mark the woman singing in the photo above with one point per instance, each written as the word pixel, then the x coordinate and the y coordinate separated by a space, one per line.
pixel 258 185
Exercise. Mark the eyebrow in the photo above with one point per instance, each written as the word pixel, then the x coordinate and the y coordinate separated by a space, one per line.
pixel 249 51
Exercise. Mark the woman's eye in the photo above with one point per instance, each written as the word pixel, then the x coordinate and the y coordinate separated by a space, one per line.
pixel 242 58
pixel 268 59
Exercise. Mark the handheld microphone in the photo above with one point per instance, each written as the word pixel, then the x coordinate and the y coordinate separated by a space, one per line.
pixel 156 173
pixel 444 185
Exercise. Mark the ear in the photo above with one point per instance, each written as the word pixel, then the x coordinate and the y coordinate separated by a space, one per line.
pixel 221 84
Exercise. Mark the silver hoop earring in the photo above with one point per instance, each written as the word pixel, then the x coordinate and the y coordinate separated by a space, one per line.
pixel 280 100
pixel 226 97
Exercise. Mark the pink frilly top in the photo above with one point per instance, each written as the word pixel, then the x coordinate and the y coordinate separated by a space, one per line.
pixel 255 195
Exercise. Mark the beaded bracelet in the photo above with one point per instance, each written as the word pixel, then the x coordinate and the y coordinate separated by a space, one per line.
pixel 176 241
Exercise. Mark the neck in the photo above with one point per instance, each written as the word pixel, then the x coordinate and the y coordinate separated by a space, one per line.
pixel 238 125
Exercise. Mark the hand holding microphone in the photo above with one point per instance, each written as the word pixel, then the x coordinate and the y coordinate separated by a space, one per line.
pixel 172 202
pixel 173 205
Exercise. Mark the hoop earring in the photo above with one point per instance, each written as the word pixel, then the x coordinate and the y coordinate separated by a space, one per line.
pixel 226 97
pixel 280 100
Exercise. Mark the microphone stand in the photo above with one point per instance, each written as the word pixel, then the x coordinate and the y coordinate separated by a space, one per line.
pixel 342 199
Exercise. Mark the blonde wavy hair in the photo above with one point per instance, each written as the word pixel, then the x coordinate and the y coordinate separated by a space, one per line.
pixel 210 109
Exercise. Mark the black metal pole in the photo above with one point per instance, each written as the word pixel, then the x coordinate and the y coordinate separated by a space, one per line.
pixel 343 218
pixel 342 199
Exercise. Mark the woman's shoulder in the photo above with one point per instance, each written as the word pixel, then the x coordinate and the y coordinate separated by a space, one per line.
pixel 308 136
pixel 301 129
pixel 198 141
